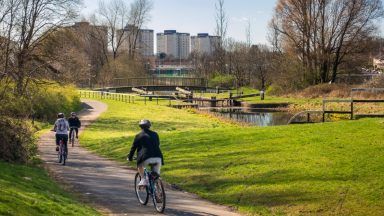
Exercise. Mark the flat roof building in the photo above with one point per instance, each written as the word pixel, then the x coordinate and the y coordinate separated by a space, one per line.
pixel 143 44
pixel 203 43
pixel 174 44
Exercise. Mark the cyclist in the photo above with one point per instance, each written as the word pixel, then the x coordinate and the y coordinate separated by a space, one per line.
pixel 74 125
pixel 61 128
pixel 147 144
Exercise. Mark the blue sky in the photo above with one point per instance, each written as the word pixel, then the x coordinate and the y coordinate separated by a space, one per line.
pixel 198 16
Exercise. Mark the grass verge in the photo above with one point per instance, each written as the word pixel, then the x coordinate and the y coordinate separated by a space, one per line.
pixel 28 190
pixel 320 169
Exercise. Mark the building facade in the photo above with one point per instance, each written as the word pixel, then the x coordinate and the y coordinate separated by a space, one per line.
pixel 143 44
pixel 175 45
pixel 203 43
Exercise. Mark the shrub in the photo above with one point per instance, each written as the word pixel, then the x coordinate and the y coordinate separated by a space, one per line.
pixel 43 102
pixel 50 100
pixel 17 143
pixel 223 81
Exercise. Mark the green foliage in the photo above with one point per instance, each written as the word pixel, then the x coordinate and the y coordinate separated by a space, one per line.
pixel 320 169
pixel 42 102
pixel 28 190
pixel 223 81
pixel 17 142
pixel 54 98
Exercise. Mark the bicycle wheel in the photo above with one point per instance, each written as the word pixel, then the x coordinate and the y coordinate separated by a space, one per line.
pixel 73 138
pixel 159 196
pixel 60 152
pixel 64 155
pixel 141 193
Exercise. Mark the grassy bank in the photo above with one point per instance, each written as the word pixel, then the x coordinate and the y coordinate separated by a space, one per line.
pixel 321 169
pixel 28 190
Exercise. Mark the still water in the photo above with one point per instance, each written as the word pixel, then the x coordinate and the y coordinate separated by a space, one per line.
pixel 262 119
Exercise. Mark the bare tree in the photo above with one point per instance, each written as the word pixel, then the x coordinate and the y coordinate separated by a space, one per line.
pixel 221 22
pixel 139 15
pixel 248 33
pixel 114 15
pixel 260 65
pixel 323 33
pixel 25 24
pixel 221 31
pixel 237 58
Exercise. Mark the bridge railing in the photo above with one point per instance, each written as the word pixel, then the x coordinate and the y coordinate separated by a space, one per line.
pixel 160 81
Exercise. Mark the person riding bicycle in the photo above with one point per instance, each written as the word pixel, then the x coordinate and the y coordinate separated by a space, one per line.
pixel 74 125
pixel 61 128
pixel 147 144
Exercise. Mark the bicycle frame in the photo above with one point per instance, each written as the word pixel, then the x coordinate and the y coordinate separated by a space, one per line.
pixel 62 153
pixel 72 138
pixel 150 188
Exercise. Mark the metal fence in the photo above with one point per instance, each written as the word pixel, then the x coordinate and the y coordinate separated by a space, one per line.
pixel 160 81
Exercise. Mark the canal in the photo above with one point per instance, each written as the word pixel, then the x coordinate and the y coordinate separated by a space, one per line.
pixel 254 117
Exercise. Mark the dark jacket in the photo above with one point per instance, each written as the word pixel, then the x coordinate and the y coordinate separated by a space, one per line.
pixel 147 144
pixel 74 122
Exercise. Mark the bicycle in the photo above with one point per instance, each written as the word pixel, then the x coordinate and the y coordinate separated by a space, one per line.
pixel 155 189
pixel 72 138
pixel 62 153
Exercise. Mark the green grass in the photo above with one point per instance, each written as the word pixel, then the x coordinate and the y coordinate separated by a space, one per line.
pixel 42 127
pixel 320 169
pixel 28 190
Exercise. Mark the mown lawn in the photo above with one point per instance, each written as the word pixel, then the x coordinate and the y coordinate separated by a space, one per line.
pixel 28 190
pixel 321 169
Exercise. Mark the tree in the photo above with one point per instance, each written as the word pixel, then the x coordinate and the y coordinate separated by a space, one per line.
pixel 221 31
pixel 123 22
pixel 25 24
pixel 237 58
pixel 260 64
pixel 115 16
pixel 139 15
pixel 323 33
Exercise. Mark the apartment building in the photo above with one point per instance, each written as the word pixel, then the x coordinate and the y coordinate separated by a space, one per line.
pixel 174 44
pixel 203 43
pixel 143 44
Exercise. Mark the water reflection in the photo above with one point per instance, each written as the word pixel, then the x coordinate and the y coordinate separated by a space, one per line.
pixel 262 119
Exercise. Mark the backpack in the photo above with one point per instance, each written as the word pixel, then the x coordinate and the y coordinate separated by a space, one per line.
pixel 61 125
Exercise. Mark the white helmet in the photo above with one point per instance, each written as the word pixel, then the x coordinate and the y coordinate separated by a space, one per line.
pixel 145 123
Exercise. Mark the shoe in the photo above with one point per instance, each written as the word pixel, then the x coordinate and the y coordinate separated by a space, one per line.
pixel 57 148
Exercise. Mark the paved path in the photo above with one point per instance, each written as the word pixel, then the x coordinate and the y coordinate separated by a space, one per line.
pixel 109 185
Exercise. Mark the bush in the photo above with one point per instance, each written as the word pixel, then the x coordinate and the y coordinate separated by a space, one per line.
pixel 17 143
pixel 50 100
pixel 223 81
pixel 42 102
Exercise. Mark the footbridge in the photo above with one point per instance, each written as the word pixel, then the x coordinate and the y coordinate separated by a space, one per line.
pixel 156 84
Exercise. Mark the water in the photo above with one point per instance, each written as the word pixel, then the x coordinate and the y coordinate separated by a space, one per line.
pixel 254 118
